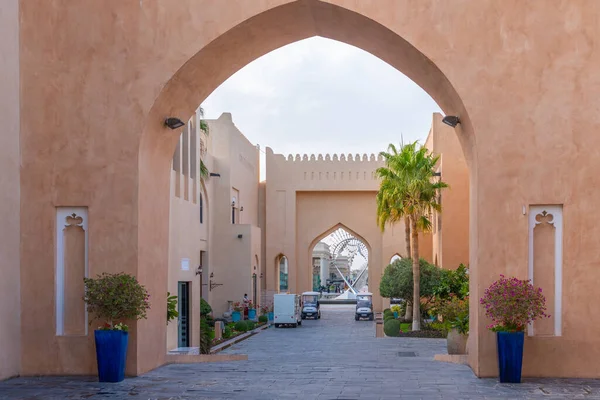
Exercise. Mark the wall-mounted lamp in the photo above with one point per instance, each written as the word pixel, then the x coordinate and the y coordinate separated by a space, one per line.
pixel 215 174
pixel 437 174
pixel 174 123
pixel 451 120
pixel 212 285
pixel 240 236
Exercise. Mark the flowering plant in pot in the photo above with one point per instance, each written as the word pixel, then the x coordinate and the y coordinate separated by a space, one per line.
pixel 455 319
pixel 236 315
pixel 114 298
pixel 512 304
pixel 251 310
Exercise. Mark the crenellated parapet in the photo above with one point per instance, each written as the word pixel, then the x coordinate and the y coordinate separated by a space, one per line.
pixel 323 171
pixel 334 157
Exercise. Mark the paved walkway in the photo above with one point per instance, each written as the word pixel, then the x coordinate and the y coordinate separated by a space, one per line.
pixel 334 358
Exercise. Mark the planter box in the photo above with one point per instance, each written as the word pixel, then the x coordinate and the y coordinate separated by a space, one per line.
pixel 111 353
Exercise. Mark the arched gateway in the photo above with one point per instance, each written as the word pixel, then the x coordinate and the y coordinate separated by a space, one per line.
pixel 97 81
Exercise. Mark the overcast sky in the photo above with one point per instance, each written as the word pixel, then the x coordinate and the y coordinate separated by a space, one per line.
pixel 322 96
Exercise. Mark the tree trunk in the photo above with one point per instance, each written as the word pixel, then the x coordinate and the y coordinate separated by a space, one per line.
pixel 407 234
pixel 416 325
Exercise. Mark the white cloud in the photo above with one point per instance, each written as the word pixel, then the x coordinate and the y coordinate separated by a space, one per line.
pixel 323 96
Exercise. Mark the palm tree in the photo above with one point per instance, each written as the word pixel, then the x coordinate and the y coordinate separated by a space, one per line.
pixel 409 187
pixel 204 173
pixel 389 207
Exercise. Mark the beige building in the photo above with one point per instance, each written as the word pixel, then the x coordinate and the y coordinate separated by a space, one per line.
pixel 213 225
pixel 83 133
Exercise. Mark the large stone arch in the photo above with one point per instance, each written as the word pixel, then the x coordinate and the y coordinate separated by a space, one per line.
pixel 96 83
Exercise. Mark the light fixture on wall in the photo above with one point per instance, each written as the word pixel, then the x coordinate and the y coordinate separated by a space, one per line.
pixel 439 173
pixel 451 120
pixel 215 174
pixel 240 236
pixel 174 123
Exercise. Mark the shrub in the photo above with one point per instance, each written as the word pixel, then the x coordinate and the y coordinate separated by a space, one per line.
pixel 227 332
pixel 205 337
pixel 250 325
pixel 114 297
pixel 387 311
pixel 512 304
pixel 396 308
pixel 397 281
pixel 241 326
pixel 391 327
pixel 451 309
pixel 387 317
pixel 172 312
pixel 205 308
pixel 263 318
pixel 453 283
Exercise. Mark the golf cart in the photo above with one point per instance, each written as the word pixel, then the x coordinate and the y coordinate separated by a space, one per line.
pixel 310 305
pixel 364 306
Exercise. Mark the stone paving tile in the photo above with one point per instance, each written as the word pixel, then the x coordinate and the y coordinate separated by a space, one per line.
pixel 333 358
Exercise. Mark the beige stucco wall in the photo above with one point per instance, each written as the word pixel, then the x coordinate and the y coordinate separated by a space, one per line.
pixel 526 96
pixel 450 244
pixel 188 237
pixel 231 259
pixel 10 310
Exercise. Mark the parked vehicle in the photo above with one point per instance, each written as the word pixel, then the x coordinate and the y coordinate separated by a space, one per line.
pixel 311 308
pixel 287 310
pixel 364 306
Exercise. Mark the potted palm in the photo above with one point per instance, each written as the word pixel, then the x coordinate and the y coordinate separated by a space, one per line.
pixel 512 304
pixel 114 298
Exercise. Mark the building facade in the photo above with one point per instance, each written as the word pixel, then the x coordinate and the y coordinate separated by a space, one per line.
pixel 84 133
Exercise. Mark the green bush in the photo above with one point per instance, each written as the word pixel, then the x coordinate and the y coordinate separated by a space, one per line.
pixel 263 318
pixel 397 281
pixel 172 312
pixel 241 326
pixel 387 317
pixel 116 297
pixel 205 308
pixel 250 325
pixel 227 332
pixel 205 337
pixel 391 327
pixel 387 311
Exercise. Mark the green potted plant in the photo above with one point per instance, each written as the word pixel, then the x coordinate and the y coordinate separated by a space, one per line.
pixel 114 298
pixel 512 304
pixel 455 320
pixel 172 312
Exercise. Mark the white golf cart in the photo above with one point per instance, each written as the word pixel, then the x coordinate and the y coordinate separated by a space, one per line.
pixel 364 306
pixel 311 308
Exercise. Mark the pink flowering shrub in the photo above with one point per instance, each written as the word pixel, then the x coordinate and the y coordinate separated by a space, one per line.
pixel 513 303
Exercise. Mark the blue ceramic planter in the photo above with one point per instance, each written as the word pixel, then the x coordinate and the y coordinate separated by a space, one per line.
pixel 396 314
pixel 271 316
pixel 236 316
pixel 510 356
pixel 111 352
pixel 251 314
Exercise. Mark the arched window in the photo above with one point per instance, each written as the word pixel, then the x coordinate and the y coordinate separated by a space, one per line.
pixel 283 274
pixel 394 258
